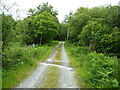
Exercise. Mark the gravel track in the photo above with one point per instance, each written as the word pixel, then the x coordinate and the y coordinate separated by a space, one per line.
pixel 67 79
pixel 66 74
pixel 37 75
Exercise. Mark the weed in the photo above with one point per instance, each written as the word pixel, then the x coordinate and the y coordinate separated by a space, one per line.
pixel 19 62
pixel 93 69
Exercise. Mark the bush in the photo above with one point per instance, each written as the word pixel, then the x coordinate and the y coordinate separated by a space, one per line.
pixel 20 61
pixel 16 54
pixel 96 69
pixel 101 70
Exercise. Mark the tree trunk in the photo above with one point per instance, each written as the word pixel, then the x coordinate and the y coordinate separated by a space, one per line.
pixel 67 34
pixel 92 45
pixel 41 39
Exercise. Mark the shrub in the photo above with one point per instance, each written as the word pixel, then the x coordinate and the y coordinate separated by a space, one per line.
pixel 102 70
pixel 16 54
pixel 96 69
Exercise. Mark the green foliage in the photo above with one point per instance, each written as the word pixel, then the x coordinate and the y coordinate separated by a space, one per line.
pixel 97 28
pixel 102 70
pixel 95 69
pixel 16 54
pixel 75 24
pixel 8 24
pixel 62 33
pixel 40 27
pixel 112 15
pixel 19 62
pixel 42 24
pixel 22 32
pixel 47 26
pixel 42 8
pixel 101 38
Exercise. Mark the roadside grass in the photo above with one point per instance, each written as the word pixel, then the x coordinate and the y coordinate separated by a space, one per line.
pixel 77 65
pixel 12 78
pixel 58 56
pixel 51 78
pixel 93 70
pixel 25 64
pixel 58 63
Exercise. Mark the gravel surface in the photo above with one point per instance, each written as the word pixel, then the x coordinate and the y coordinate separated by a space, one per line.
pixel 37 75
pixel 67 79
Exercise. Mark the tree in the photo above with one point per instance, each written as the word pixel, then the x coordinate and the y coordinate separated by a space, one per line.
pixel 98 28
pixel 8 25
pixel 47 26
pixel 62 33
pixel 22 32
pixel 41 8
pixel 100 37
pixel 75 24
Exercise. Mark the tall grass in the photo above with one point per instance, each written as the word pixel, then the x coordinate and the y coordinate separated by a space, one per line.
pixel 19 62
pixel 93 69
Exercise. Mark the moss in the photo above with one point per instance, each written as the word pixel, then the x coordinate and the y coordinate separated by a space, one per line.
pixel 58 63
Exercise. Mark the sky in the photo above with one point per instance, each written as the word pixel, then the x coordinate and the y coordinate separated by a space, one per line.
pixel 62 6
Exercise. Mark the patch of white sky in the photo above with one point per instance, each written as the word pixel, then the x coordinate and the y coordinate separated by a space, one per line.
pixel 62 6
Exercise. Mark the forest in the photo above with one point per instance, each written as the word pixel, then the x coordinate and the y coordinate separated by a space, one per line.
pixel 92 37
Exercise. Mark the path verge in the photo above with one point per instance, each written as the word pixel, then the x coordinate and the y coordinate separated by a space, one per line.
pixel 33 79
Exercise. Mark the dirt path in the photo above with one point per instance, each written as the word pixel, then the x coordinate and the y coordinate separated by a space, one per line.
pixel 36 76
pixel 65 74
pixel 67 79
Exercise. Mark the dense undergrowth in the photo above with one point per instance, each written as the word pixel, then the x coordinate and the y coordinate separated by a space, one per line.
pixel 93 70
pixel 19 62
